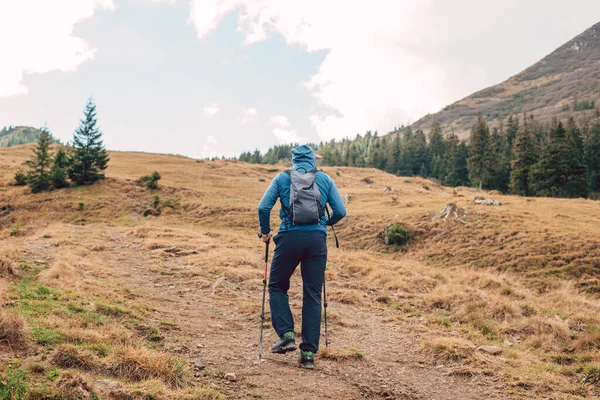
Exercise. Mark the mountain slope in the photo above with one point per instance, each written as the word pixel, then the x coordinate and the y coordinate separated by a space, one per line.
pixel 566 82
pixel 19 135
pixel 118 302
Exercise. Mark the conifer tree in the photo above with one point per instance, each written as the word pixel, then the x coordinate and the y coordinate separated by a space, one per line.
pixel 58 172
pixel 501 178
pixel 451 161
pixel 525 157
pixel 396 152
pixel 482 160
pixel 436 152
pixel 511 130
pixel 553 175
pixel 38 177
pixel 420 154
pixel 592 155
pixel 577 185
pixel 88 157
pixel 406 153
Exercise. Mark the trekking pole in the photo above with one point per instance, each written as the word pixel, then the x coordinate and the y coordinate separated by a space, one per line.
pixel 325 306
pixel 262 313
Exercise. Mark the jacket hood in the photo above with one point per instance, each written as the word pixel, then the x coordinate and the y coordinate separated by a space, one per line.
pixel 303 158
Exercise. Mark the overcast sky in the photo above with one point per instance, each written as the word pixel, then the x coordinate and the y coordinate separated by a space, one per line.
pixel 211 77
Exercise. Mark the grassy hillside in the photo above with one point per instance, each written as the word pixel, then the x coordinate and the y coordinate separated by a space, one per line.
pixel 563 83
pixel 19 135
pixel 98 298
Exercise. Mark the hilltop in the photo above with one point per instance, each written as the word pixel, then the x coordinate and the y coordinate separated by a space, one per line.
pixel 104 299
pixel 564 83
pixel 18 135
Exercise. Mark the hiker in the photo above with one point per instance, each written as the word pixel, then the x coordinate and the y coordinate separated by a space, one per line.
pixel 301 240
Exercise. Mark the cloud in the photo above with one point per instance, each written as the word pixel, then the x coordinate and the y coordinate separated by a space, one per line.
pixel 211 140
pixel 287 136
pixel 249 115
pixel 390 63
pixel 280 120
pixel 212 109
pixel 37 37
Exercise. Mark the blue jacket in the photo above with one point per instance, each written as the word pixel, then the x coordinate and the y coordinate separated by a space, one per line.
pixel 303 160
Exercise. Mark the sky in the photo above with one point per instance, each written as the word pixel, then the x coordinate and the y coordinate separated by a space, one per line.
pixel 205 78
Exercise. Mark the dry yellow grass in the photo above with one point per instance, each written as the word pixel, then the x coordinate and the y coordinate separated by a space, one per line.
pixel 522 276
pixel 13 329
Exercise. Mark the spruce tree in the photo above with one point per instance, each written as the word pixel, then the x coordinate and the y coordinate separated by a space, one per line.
pixel 592 155
pixel 38 177
pixel 512 128
pixel 462 171
pixel 436 152
pixel 88 157
pixel 554 175
pixel 396 152
pixel 58 172
pixel 420 154
pixel 482 158
pixel 578 183
pixel 407 153
pixel 501 178
pixel 525 157
pixel 451 161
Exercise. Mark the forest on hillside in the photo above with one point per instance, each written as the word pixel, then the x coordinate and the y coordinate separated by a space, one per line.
pixel 520 156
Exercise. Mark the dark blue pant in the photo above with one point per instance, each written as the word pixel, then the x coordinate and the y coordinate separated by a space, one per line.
pixel 309 249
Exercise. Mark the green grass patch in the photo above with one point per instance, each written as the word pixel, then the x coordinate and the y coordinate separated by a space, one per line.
pixel 14 386
pixel 47 336
pixel 113 311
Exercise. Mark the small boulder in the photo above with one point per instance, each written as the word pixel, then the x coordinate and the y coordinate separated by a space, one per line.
pixel 199 365
pixel 231 377
pixel 493 350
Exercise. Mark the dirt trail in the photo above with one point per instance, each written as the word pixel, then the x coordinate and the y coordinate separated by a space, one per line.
pixel 212 329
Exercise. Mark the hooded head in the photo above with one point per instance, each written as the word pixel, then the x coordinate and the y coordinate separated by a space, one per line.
pixel 303 158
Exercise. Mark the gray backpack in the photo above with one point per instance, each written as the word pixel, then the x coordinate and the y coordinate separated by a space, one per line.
pixel 305 199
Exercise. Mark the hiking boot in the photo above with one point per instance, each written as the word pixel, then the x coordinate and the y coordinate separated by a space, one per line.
pixel 306 359
pixel 286 343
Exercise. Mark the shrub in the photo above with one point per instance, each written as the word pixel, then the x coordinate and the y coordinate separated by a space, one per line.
pixel 14 229
pixel 398 235
pixel 151 181
pixel 20 178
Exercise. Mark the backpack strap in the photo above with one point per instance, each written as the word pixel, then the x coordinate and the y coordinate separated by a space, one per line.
pixel 286 209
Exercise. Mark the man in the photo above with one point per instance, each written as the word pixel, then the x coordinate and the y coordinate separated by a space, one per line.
pixel 301 240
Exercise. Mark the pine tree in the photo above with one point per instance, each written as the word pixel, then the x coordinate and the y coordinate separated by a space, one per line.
pixel 450 160
pixel 38 177
pixel 592 155
pixel 512 128
pixel 58 172
pixel 578 183
pixel 420 154
pixel 88 157
pixel 482 158
pixel 436 152
pixel 407 153
pixel 554 175
pixel 396 152
pixel 501 178
pixel 525 157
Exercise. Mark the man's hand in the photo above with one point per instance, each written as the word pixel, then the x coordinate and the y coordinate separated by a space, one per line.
pixel 266 237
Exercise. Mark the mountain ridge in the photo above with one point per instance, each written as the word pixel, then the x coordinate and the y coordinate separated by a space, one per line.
pixel 566 82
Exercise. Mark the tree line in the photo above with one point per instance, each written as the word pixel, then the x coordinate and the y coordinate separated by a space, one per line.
pixel 520 156
pixel 79 163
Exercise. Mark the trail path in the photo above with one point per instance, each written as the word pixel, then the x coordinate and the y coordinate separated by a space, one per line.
pixel 212 329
